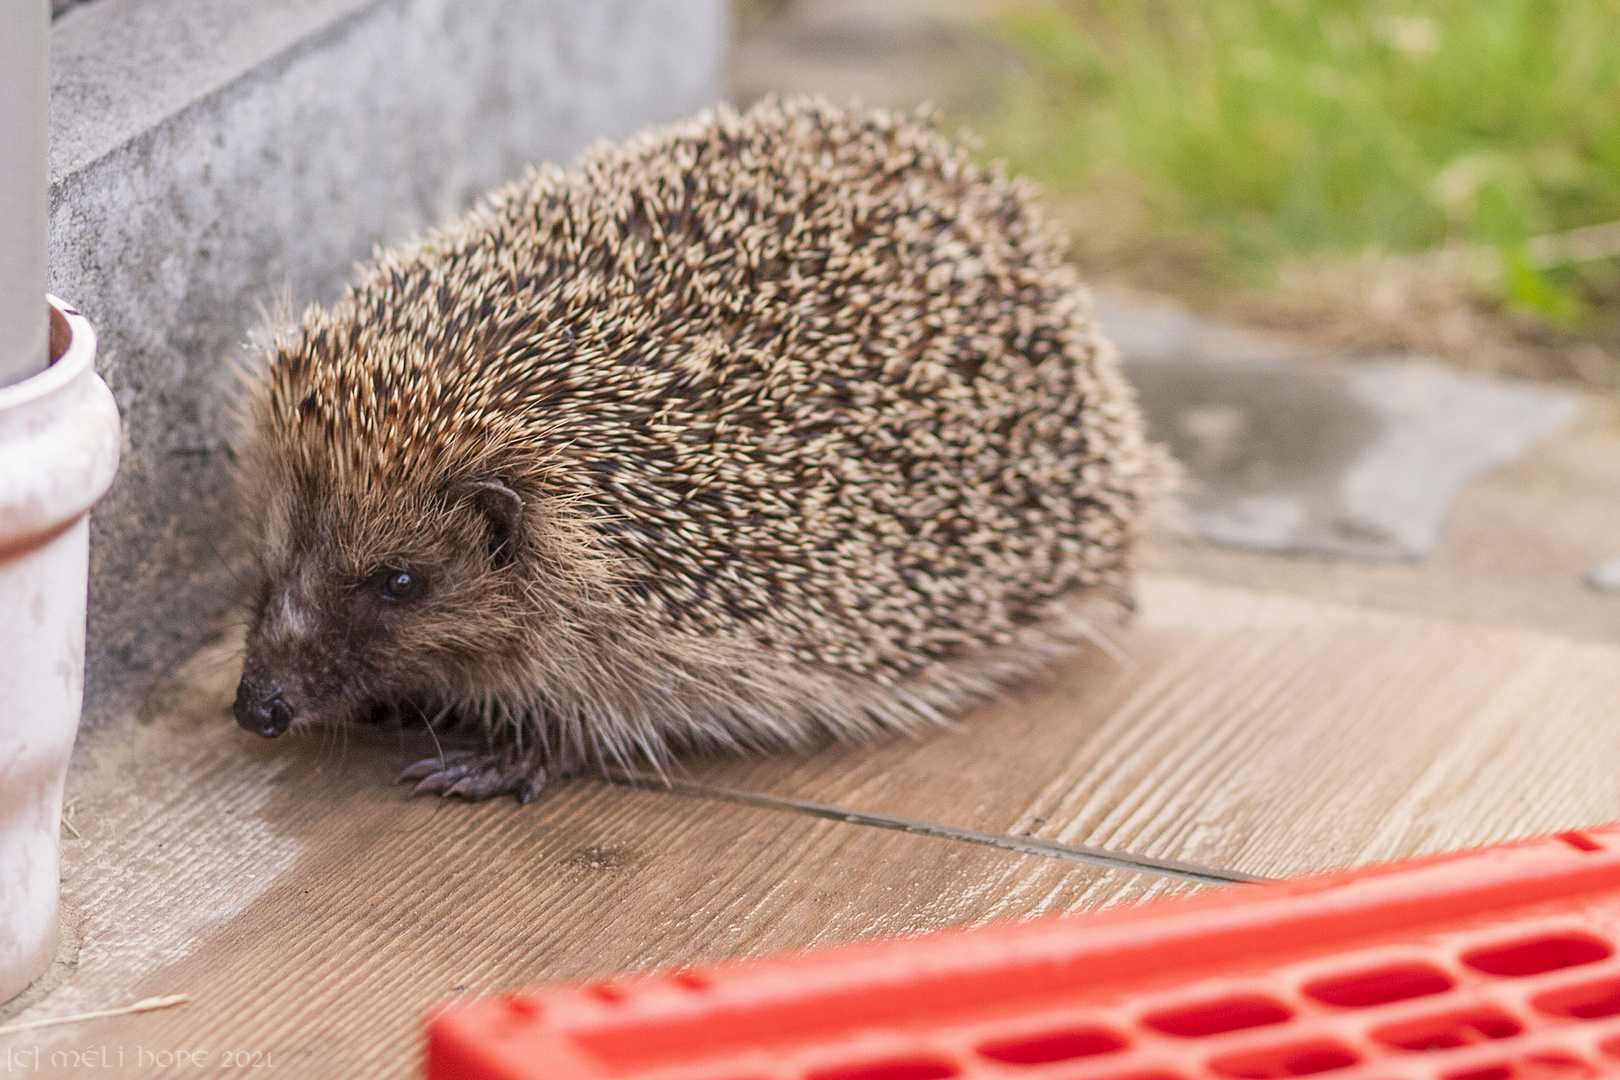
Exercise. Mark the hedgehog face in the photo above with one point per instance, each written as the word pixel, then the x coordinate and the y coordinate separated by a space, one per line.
pixel 389 606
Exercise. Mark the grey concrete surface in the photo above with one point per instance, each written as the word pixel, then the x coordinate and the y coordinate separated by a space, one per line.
pixel 1606 578
pixel 1359 460
pixel 211 159
pixel 1518 547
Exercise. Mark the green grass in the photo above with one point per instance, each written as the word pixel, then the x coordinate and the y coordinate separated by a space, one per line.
pixel 1281 129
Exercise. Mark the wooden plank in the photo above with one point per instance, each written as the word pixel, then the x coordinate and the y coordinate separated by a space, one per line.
pixel 314 911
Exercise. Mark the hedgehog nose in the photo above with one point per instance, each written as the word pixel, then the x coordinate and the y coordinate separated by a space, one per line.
pixel 261 706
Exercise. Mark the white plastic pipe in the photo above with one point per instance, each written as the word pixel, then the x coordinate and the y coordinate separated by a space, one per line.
pixel 24 99
pixel 58 453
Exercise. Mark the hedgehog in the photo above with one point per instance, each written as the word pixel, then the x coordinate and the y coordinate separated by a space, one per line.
pixel 762 429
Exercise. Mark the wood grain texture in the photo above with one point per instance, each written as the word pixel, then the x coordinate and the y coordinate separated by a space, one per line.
pixel 314 911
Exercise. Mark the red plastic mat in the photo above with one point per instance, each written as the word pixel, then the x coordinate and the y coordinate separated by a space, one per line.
pixel 1487 965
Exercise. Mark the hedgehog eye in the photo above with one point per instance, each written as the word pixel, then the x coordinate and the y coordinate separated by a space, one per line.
pixel 400 583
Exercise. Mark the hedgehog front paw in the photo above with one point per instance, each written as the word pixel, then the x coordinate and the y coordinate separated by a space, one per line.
pixel 476 775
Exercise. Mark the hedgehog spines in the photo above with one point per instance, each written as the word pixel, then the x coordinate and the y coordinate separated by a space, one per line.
pixel 813 432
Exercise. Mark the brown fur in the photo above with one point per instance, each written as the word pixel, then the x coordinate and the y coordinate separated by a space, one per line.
pixel 796 420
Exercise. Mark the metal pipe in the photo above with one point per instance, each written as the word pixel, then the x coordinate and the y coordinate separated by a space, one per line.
pixel 24 101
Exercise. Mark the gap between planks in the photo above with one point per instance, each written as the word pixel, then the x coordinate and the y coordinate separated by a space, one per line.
pixel 1024 845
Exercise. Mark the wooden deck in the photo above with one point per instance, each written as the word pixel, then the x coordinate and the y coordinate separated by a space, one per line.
pixel 314 912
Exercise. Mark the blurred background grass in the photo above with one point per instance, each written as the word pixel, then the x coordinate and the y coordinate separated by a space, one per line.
pixel 1321 150
pixel 1290 127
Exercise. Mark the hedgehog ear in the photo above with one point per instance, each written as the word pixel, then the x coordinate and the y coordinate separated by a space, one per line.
pixel 503 513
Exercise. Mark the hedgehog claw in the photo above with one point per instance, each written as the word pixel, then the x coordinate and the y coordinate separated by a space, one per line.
pixel 427 767
pixel 473 777
pixel 478 788
pixel 431 785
